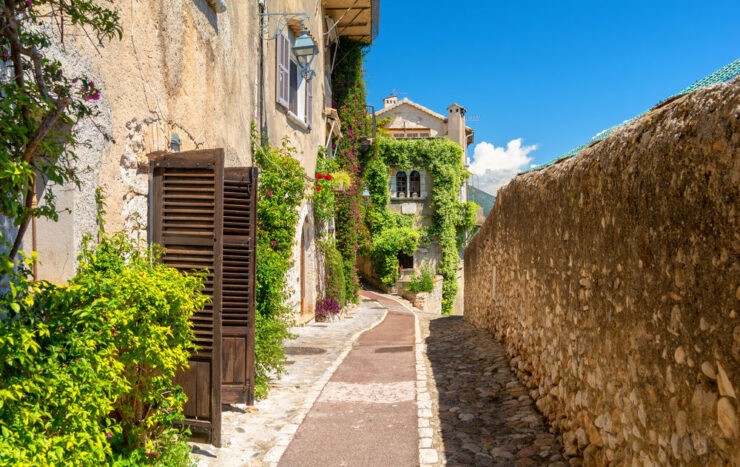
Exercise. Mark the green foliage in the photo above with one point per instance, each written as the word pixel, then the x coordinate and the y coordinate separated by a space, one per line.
pixel 349 95
pixel 465 221
pixel 342 178
pixel 282 188
pixel 86 369
pixel 334 272
pixel 385 248
pixel 323 196
pixel 40 105
pixel 422 280
pixel 451 219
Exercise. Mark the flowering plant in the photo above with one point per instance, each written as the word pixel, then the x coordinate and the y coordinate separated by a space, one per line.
pixel 326 308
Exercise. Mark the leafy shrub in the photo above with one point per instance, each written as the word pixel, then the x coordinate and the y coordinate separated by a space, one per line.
pixel 323 196
pixel 422 280
pixel 326 308
pixel 282 185
pixel 386 246
pixel 86 369
pixel 342 178
pixel 334 272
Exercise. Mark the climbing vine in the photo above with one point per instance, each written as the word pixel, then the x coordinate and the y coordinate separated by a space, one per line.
pixel 450 221
pixel 282 188
pixel 349 95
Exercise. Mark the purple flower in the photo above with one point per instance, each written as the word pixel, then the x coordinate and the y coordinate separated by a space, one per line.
pixel 273 243
pixel 29 4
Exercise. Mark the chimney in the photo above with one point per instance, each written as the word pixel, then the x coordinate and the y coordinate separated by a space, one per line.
pixel 389 101
pixel 456 128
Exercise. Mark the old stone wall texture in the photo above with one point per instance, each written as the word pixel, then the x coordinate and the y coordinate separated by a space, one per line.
pixel 613 279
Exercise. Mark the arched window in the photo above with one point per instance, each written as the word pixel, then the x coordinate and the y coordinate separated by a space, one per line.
pixel 401 184
pixel 415 184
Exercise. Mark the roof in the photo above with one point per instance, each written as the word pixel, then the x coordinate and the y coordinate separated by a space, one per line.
pixel 355 19
pixel 407 101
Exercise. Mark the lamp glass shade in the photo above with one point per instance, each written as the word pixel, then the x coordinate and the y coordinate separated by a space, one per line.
pixel 304 46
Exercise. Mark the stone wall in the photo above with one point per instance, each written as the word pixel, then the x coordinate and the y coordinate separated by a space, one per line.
pixel 613 279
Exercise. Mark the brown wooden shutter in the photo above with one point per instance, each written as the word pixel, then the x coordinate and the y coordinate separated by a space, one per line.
pixel 187 220
pixel 282 72
pixel 238 310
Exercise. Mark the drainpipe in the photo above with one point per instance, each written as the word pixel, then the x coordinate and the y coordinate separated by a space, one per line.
pixel 261 90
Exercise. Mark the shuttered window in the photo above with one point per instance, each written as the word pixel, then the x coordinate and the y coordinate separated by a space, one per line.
pixel 238 311
pixel 282 74
pixel 187 221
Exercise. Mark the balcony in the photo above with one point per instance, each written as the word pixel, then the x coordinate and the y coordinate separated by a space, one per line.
pixel 355 19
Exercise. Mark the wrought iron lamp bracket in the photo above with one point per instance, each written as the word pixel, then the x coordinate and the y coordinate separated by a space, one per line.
pixel 279 21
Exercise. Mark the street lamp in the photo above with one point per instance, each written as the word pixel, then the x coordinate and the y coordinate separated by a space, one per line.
pixel 304 48
pixel 305 51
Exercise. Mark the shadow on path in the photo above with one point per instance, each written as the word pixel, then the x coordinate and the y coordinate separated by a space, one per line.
pixel 486 416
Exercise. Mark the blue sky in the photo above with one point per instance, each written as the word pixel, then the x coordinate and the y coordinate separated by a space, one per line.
pixel 544 77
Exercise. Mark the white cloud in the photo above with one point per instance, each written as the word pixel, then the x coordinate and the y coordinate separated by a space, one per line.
pixel 495 166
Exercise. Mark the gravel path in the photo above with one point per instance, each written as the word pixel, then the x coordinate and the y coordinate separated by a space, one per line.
pixel 481 413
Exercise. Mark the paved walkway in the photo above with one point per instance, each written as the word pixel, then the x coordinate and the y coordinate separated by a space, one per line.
pixel 366 414
pixel 257 436
pixel 480 412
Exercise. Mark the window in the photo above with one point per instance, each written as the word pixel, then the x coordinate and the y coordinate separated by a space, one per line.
pixel 293 90
pixel 293 100
pixel 398 135
pixel 405 261
pixel 401 184
pixel 415 184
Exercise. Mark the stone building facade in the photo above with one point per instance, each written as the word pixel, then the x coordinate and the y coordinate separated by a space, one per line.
pixel 204 70
pixel 409 191
pixel 613 280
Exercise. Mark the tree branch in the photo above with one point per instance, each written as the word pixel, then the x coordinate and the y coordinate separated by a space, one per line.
pixel 44 129
pixel 24 225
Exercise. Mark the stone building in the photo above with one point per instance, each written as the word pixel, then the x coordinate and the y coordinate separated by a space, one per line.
pixel 409 190
pixel 201 72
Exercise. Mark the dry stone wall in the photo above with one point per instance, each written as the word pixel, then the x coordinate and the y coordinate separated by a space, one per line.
pixel 613 279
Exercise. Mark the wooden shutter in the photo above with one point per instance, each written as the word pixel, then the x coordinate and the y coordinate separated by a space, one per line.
pixel 309 102
pixel 238 304
pixel 282 73
pixel 187 220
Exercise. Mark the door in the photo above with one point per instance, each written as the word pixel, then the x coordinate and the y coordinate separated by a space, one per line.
pixel 186 219
pixel 238 304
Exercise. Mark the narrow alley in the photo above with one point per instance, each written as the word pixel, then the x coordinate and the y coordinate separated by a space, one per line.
pixel 389 386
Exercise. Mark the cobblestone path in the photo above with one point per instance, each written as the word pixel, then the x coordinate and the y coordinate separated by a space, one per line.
pixel 259 437
pixel 481 413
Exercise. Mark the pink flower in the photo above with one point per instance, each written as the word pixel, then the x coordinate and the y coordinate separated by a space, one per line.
pixel 269 193
pixel 273 243
pixel 108 435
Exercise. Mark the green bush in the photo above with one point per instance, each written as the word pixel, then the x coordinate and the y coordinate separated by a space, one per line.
pixel 282 188
pixel 86 369
pixel 422 280
pixel 386 246
pixel 334 273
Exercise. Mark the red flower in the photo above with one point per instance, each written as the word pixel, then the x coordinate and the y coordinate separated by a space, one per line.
pixel 328 176
pixel 319 176
pixel 318 188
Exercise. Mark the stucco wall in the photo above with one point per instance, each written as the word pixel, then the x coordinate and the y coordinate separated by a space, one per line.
pixel 614 281
pixel 179 67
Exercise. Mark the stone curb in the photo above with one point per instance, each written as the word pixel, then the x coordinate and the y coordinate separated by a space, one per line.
pixel 272 457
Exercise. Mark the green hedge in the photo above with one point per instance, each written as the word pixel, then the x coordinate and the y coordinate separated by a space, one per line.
pixel 86 369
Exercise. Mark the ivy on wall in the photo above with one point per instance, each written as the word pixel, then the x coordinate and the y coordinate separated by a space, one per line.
pixel 451 219
pixel 282 188
pixel 349 100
